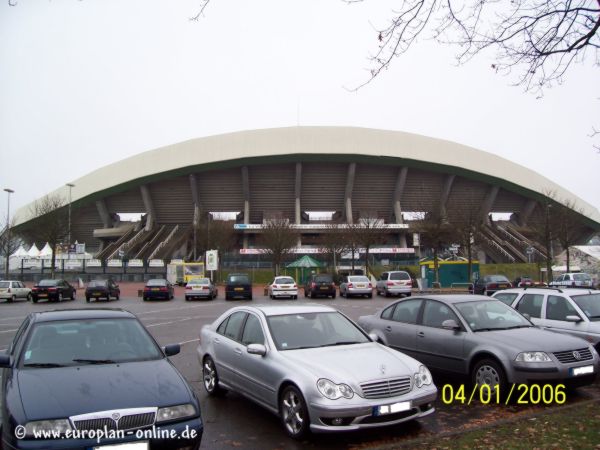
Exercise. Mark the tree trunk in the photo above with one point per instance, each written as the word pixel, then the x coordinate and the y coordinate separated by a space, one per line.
pixel 436 268
pixel 568 261
pixel 367 261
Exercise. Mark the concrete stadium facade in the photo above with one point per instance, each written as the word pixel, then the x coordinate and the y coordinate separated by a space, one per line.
pixel 290 172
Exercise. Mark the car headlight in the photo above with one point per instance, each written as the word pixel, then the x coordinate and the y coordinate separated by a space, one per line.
pixel 175 412
pixel 54 428
pixel 334 391
pixel 532 357
pixel 423 377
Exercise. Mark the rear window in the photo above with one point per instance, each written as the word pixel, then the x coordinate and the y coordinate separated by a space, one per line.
pixel 358 279
pixel 498 278
pixel 238 279
pixel 323 278
pixel 48 283
pixel 581 277
pixel 204 281
pixel 4 284
pixel 285 280
pixel 98 283
pixel 157 282
pixel 399 276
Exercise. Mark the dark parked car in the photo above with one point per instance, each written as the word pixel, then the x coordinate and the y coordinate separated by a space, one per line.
pixel 238 286
pixel 320 285
pixel 489 284
pixel 57 290
pixel 73 372
pixel 102 289
pixel 158 288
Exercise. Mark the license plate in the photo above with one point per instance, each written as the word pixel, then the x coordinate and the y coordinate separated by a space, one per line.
pixel 128 446
pixel 155 289
pixel 324 288
pixel 361 286
pixel 42 295
pixel 238 289
pixel 391 409
pixel 96 294
pixel 575 371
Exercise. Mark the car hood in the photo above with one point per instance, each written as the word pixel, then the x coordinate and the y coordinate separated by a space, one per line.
pixel 532 339
pixel 353 364
pixel 66 391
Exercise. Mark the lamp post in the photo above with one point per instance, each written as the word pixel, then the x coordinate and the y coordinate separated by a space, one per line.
pixel 7 248
pixel 70 186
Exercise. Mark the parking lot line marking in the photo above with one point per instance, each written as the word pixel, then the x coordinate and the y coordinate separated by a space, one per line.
pixel 180 320
pixel 187 342
pixel 8 331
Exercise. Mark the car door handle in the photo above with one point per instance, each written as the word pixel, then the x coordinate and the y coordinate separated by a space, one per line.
pixel 421 334
pixel 388 328
pixel 238 351
pixel 216 340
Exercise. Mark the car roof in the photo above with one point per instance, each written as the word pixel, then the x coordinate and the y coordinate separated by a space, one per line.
pixel 546 290
pixel 450 298
pixel 79 314
pixel 278 310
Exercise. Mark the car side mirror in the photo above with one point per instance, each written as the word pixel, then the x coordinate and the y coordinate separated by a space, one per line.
pixel 5 361
pixel 173 349
pixel 373 337
pixel 450 324
pixel 257 349
pixel 573 318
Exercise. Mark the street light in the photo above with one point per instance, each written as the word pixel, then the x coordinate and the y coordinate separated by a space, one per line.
pixel 70 185
pixel 7 252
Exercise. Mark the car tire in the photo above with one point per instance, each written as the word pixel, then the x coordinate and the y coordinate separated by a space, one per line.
pixel 210 378
pixel 145 299
pixel 408 294
pixel 490 372
pixel 370 295
pixel 29 297
pixel 73 294
pixel 60 297
pixel 87 299
pixel 295 297
pixel 333 296
pixel 11 299
pixel 294 413
pixel 387 293
pixel 118 297
pixel 305 293
pixel 250 298
pixel 34 299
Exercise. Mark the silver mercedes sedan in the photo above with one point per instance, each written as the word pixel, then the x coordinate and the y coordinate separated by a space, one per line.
pixel 314 368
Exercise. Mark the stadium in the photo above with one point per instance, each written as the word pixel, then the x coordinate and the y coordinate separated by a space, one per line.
pixel 312 177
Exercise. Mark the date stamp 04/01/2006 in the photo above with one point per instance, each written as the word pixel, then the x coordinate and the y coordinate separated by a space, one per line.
pixel 522 394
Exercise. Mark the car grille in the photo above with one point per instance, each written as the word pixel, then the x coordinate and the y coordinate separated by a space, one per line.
pixel 386 388
pixel 129 422
pixel 570 355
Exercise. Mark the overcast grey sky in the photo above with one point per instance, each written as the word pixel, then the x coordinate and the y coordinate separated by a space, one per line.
pixel 87 83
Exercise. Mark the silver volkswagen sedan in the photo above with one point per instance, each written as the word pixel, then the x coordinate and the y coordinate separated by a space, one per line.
pixel 482 338
pixel 314 368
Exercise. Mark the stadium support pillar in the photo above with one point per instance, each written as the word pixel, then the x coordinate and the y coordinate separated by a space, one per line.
pixel 297 193
pixel 397 206
pixel 488 202
pixel 246 192
pixel 446 194
pixel 348 193
pixel 104 214
pixel 149 206
pixel 194 188
pixel 526 212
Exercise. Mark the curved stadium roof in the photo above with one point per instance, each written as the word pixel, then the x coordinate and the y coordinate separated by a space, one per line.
pixel 341 144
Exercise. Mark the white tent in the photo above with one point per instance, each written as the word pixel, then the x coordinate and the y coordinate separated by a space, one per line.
pixel 46 252
pixel 33 252
pixel 20 253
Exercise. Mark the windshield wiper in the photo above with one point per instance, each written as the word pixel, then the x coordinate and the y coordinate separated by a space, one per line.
pixel 340 343
pixel 43 365
pixel 518 326
pixel 95 361
pixel 488 329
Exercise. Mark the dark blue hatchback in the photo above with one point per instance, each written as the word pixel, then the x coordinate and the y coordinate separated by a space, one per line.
pixel 84 379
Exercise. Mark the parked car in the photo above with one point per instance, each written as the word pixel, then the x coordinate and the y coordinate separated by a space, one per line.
pixel 158 288
pixel 94 369
pixel 572 311
pixel 57 290
pixel 283 286
pixel 489 284
pixel 396 282
pixel 484 339
pixel 199 288
pixel 314 368
pixel 356 285
pixel 523 282
pixel 320 285
pixel 238 286
pixel 97 289
pixel 11 290
pixel 579 279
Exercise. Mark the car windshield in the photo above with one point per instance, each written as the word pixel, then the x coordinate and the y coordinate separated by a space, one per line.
pixel 311 330
pixel 581 277
pixel 98 283
pixel 284 280
pixel 4 284
pixel 157 282
pixel 498 278
pixel 399 276
pixel 489 315
pixel 589 304
pixel 96 341
pixel 359 279
pixel 48 283
pixel 241 279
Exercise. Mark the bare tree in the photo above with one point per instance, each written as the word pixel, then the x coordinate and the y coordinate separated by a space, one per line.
pixel 278 239
pixel 9 242
pixel 436 234
pixel 50 225
pixel 333 243
pixel 369 232
pixel 467 227
pixel 565 221
pixel 542 37
pixel 543 229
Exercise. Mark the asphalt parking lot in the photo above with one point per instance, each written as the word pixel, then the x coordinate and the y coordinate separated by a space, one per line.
pixel 233 421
